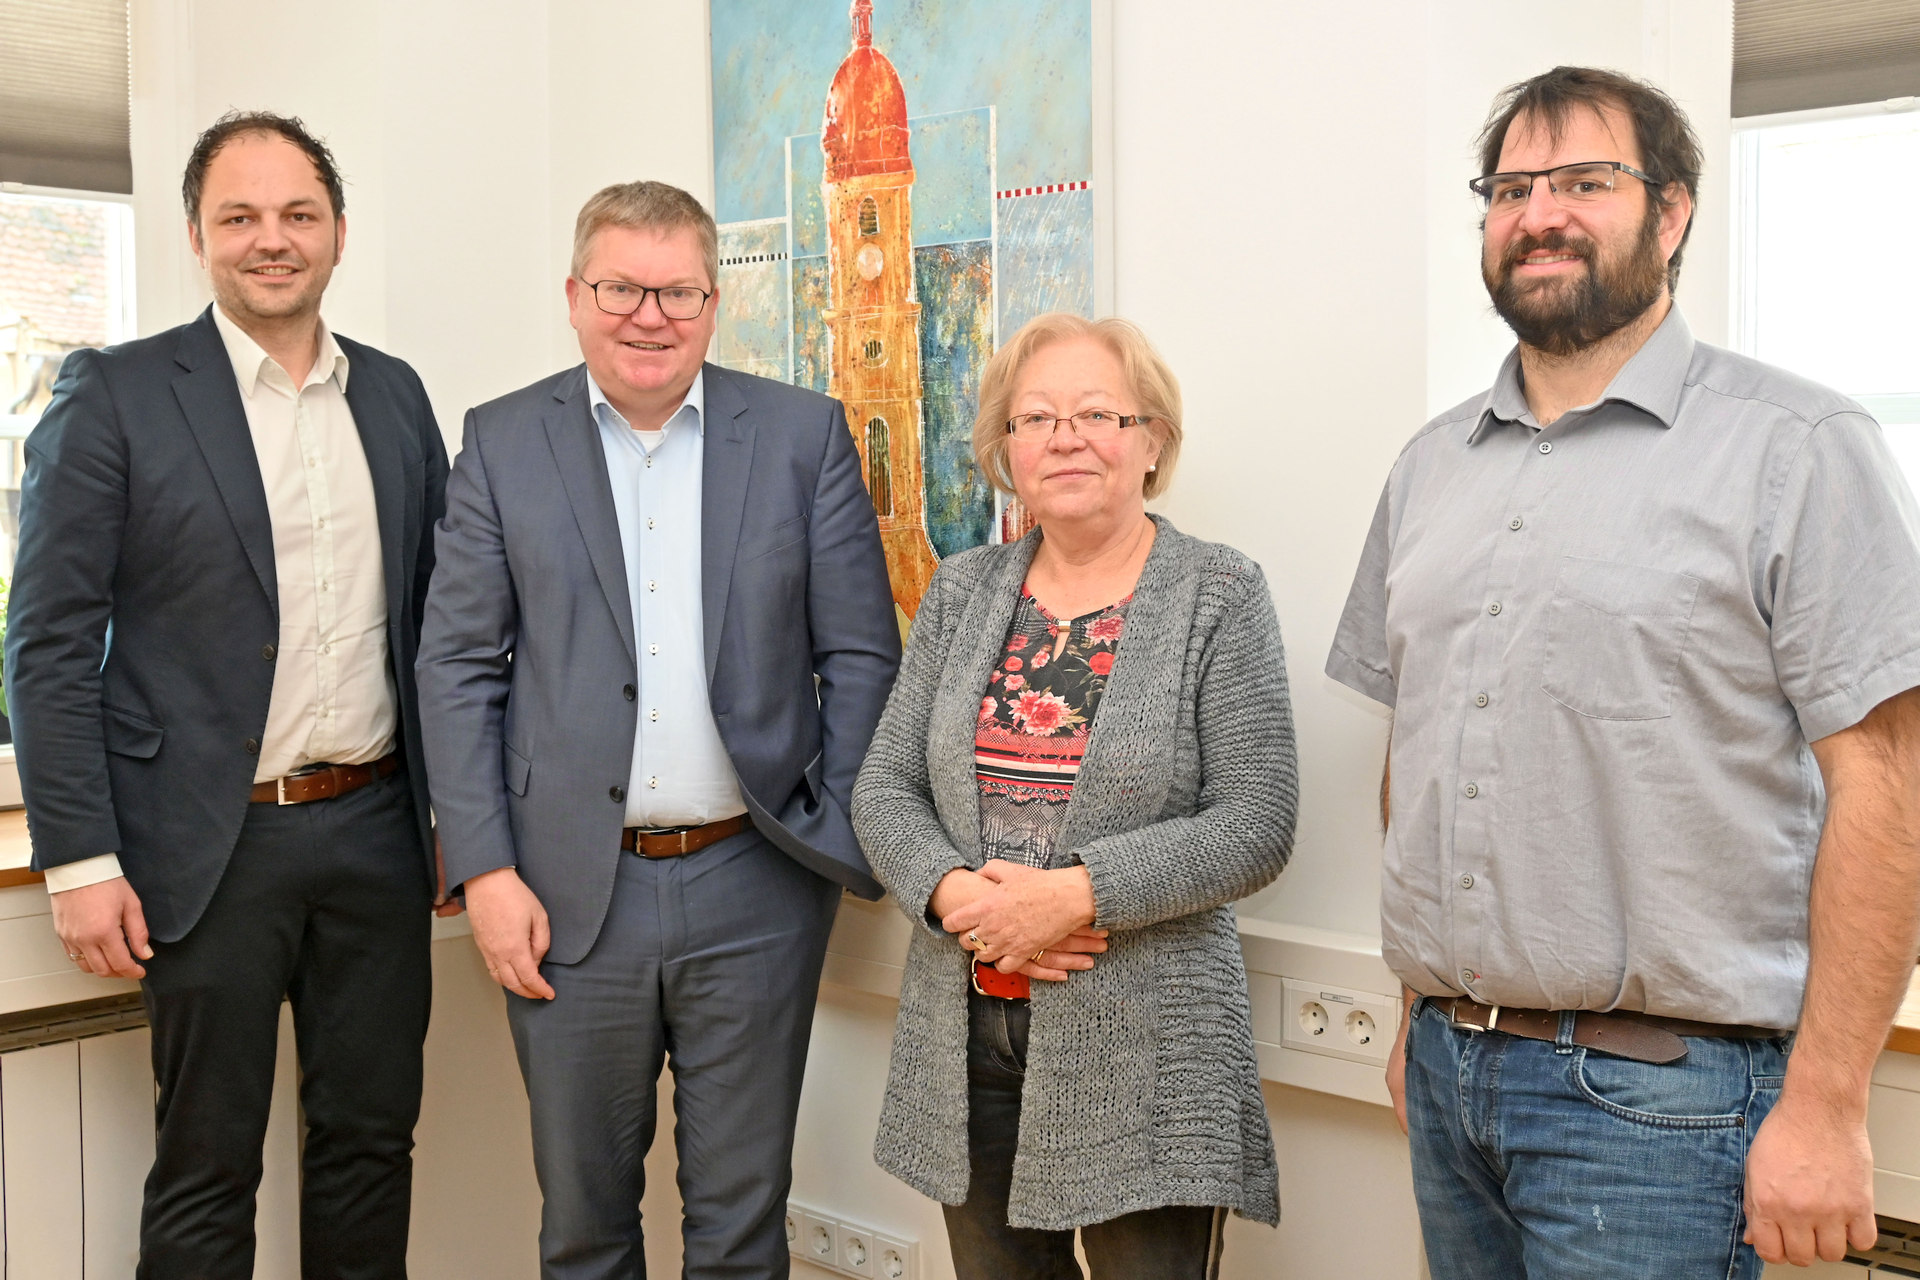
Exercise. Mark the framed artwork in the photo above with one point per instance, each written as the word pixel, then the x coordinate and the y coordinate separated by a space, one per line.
pixel 900 185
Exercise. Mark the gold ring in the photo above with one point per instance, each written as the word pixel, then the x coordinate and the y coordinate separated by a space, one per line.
pixel 974 938
pixel 1036 955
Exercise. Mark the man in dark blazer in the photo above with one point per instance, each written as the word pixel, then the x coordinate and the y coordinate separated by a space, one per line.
pixel 656 648
pixel 225 541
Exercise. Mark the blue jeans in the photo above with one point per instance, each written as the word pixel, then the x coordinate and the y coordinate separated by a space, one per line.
pixel 1545 1160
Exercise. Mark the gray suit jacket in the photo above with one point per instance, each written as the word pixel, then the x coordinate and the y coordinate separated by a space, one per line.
pixel 528 639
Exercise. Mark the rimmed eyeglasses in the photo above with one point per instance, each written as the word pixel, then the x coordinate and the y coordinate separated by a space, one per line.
pixel 1583 183
pixel 1088 424
pixel 623 298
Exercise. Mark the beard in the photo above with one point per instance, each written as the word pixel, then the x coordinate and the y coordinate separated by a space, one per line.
pixel 1565 317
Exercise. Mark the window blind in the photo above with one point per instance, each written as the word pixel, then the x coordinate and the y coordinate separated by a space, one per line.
pixel 63 94
pixel 1792 55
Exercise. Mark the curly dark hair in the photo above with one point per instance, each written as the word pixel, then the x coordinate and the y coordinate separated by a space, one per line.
pixel 235 124
pixel 1669 149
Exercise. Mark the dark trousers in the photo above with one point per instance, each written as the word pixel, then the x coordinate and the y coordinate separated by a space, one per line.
pixel 325 904
pixel 711 960
pixel 1177 1242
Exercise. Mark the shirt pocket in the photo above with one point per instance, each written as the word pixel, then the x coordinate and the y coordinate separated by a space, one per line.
pixel 1615 633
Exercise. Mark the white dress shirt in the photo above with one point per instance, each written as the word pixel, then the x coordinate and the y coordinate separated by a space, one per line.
pixel 333 698
pixel 681 774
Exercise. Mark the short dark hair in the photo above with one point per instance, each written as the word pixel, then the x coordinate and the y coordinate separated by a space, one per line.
pixel 236 124
pixel 1669 149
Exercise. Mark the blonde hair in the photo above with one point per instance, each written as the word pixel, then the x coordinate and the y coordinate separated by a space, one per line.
pixel 653 205
pixel 1152 383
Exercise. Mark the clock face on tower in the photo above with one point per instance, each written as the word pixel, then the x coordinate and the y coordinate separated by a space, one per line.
pixel 869 261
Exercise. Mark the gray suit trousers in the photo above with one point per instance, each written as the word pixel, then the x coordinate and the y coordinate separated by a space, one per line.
pixel 711 961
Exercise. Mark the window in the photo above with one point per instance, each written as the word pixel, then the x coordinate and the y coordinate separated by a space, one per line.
pixel 869 217
pixel 879 466
pixel 1827 269
pixel 874 350
pixel 66 282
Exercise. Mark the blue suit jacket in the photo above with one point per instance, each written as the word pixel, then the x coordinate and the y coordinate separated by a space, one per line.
pixel 528 638
pixel 144 605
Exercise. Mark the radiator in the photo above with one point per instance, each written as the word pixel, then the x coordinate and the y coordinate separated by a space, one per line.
pixel 76 1140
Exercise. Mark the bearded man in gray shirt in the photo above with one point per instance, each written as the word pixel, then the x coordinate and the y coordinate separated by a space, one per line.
pixel 1648 616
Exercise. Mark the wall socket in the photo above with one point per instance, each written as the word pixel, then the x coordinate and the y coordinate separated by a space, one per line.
pixel 849 1248
pixel 1339 1022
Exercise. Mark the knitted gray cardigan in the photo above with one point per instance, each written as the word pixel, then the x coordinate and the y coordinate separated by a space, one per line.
pixel 1142 1086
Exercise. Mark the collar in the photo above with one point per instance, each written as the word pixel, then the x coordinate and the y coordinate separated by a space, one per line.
pixel 605 414
pixel 251 361
pixel 1651 381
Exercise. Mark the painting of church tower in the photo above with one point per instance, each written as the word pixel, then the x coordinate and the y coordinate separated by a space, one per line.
pixel 872 315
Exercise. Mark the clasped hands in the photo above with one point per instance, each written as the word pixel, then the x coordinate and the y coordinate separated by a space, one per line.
pixel 1021 919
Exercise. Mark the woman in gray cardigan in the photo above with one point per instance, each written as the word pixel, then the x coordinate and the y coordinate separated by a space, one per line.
pixel 1087 757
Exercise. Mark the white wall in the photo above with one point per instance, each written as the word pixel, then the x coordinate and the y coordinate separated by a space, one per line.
pixel 1291 225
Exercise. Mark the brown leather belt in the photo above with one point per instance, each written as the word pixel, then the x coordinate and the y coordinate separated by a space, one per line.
pixel 679 840
pixel 1643 1037
pixel 323 781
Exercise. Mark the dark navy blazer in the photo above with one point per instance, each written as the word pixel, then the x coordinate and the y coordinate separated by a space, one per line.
pixel 144 606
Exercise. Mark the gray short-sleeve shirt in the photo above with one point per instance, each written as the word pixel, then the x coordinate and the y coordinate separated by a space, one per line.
pixel 1607 645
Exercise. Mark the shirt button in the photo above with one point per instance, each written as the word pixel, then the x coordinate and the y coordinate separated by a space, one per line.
pixel 267 651
pixel 649 522
pixel 654 714
pixel 1466 881
pixel 651 584
pixel 653 782
pixel 627 691
pixel 1515 524
pixel 1494 608
pixel 326 649
pixel 653 648
pixel 1468 975
pixel 1479 699
pixel 1546 446
pixel 1473 789
pixel 649 460
pixel 253 746
pixel 617 793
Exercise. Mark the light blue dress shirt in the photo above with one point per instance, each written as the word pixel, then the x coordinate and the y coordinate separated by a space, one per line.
pixel 681 774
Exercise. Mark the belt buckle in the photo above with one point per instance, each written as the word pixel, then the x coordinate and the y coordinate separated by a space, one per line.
pixel 669 831
pixel 1493 1019
pixel 280 784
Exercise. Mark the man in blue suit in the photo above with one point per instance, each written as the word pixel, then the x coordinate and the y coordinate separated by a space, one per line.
pixel 658 641
pixel 226 532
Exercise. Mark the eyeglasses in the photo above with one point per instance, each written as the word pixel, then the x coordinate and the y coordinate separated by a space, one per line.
pixel 1088 424
pixel 623 298
pixel 1573 185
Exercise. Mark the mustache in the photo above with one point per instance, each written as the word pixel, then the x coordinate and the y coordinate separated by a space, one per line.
pixel 1553 242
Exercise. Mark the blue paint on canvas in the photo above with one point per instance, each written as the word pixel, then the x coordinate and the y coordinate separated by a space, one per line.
pixel 955 284
pixel 1046 256
pixel 1031 60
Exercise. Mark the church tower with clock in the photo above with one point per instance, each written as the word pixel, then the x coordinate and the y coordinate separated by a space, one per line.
pixel 872 317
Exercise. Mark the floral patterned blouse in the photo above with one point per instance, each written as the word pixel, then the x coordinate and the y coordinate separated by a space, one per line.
pixel 1034 721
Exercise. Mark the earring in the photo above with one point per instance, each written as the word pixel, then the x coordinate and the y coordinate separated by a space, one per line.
pixel 1153 466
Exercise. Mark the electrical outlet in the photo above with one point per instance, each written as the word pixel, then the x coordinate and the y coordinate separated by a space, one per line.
pixel 1339 1022
pixel 895 1259
pixel 793 1227
pixel 856 1251
pixel 819 1239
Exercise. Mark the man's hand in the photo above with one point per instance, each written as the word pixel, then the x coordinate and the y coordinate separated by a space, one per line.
pixel 444 903
pixel 103 928
pixel 510 928
pixel 1809 1183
